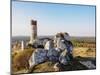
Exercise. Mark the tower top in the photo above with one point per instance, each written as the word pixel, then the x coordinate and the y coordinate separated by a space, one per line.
pixel 33 22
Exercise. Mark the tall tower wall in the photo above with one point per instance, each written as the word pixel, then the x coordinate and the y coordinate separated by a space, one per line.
pixel 33 36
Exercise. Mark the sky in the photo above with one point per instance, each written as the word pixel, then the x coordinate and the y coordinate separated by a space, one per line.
pixel 77 20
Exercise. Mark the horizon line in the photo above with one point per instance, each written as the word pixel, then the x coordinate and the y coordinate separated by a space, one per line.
pixel 49 35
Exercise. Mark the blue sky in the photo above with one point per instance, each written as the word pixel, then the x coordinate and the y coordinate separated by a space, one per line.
pixel 53 18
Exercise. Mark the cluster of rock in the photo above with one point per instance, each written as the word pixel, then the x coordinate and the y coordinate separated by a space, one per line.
pixel 58 50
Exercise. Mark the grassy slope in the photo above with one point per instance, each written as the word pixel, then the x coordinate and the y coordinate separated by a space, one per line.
pixel 20 62
pixel 20 59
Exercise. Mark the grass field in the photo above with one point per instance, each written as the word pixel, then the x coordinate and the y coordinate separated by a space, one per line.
pixel 20 60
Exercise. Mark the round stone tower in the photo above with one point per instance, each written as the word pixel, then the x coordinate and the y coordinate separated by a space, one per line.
pixel 33 36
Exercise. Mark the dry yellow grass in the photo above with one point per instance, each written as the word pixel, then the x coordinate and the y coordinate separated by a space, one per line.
pixel 44 67
pixel 84 52
pixel 20 59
